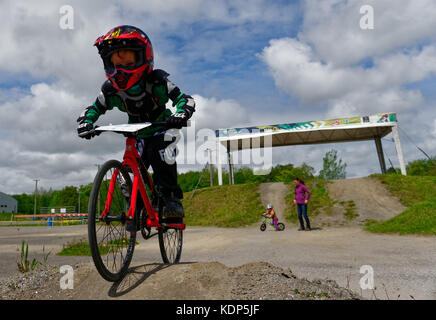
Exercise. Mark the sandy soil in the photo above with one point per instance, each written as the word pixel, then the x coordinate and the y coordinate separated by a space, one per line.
pixel 274 193
pixel 372 199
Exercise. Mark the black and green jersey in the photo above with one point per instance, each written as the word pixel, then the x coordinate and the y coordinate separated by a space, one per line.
pixel 144 102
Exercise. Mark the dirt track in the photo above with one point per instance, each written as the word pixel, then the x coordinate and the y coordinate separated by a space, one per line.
pixel 274 193
pixel 371 198
pixel 222 263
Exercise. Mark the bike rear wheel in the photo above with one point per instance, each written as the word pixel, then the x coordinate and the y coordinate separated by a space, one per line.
pixel 281 226
pixel 111 244
pixel 170 242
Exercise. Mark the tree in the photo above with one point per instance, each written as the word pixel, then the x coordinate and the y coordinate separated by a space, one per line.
pixel 333 168
pixel 422 167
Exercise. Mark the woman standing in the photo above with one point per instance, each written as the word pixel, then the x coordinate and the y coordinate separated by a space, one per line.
pixel 300 199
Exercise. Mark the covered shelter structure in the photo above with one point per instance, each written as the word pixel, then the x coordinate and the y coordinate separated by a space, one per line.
pixel 373 127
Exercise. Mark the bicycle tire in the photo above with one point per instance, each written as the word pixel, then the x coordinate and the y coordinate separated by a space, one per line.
pixel 281 226
pixel 263 227
pixel 105 254
pixel 170 242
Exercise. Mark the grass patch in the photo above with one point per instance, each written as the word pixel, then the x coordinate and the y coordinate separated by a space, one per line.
pixel 409 189
pixel 350 209
pixel 319 201
pixel 81 247
pixel 420 218
pixel 418 193
pixel 75 248
pixel 229 206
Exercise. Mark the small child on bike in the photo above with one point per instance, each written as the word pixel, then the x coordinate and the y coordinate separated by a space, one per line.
pixel 270 213
pixel 134 87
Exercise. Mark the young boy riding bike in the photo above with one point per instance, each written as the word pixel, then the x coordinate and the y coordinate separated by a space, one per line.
pixel 134 87
pixel 270 213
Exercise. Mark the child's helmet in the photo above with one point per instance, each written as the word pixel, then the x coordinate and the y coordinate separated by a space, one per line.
pixel 125 38
pixel 269 206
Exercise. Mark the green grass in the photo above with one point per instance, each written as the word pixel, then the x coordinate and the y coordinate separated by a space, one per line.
pixel 350 209
pixel 319 201
pixel 409 189
pixel 418 193
pixel 420 218
pixel 81 247
pixel 229 206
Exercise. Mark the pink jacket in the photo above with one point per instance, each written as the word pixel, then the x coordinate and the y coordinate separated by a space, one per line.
pixel 300 193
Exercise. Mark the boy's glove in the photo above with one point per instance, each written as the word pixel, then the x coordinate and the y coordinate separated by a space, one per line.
pixel 177 120
pixel 85 130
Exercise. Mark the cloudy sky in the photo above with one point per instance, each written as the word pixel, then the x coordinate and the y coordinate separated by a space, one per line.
pixel 246 63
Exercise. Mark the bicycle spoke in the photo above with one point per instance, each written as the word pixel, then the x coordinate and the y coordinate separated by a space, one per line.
pixel 170 242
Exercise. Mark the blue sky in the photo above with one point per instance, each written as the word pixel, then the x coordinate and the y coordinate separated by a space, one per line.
pixel 246 63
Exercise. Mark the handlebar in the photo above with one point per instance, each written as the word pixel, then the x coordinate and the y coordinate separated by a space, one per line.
pixel 129 132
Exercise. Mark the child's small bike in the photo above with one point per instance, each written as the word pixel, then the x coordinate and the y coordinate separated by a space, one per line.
pixel 266 221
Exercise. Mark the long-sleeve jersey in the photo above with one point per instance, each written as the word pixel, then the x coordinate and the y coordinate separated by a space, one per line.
pixel 143 102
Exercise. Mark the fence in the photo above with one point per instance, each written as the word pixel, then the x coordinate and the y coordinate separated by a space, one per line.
pixel 49 219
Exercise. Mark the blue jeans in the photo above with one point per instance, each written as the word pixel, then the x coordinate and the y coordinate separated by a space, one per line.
pixel 302 212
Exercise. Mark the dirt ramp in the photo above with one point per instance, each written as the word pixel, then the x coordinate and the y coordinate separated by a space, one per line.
pixel 371 199
pixel 187 281
pixel 274 193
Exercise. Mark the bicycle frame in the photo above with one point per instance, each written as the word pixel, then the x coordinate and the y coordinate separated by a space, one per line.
pixel 132 160
pixel 267 221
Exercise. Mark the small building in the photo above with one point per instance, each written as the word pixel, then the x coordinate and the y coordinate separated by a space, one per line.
pixel 7 203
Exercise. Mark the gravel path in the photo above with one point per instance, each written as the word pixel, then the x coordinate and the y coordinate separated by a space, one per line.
pixel 403 265
pixel 243 263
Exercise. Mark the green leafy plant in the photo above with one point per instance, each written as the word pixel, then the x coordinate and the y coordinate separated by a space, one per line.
pixel 45 255
pixel 333 167
pixel 350 210
pixel 24 264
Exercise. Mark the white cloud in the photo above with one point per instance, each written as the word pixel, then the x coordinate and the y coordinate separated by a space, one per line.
pixel 297 70
pixel 332 27
pixel 215 114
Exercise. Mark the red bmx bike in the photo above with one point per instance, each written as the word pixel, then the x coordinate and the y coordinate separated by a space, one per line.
pixel 114 216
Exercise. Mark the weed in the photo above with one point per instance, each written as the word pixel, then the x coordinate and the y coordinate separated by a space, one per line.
pixel 24 264
pixel 350 210
pixel 312 294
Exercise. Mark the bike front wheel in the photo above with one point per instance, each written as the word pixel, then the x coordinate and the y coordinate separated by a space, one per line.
pixel 111 244
pixel 262 227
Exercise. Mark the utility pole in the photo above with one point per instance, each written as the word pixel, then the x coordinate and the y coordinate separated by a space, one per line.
pixel 210 167
pixel 78 191
pixel 36 190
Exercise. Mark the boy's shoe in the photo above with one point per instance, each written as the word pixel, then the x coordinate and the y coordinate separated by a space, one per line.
pixel 173 208
pixel 301 229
